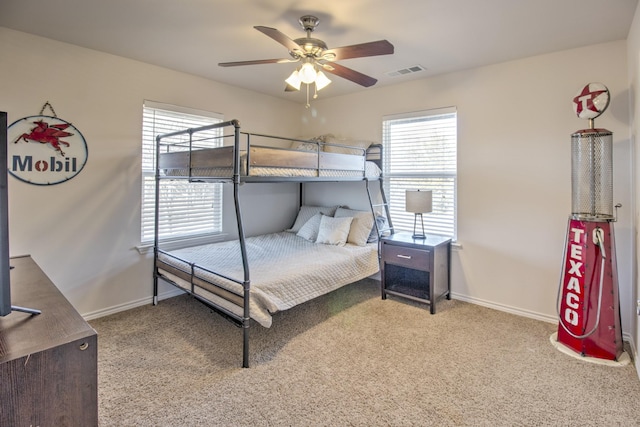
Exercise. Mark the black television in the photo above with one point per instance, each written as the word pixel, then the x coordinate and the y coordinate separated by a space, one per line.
pixel 5 264
pixel 5 277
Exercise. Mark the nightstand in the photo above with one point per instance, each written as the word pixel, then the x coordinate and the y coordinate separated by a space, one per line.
pixel 417 269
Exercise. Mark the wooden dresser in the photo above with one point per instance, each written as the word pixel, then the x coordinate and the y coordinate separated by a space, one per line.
pixel 48 361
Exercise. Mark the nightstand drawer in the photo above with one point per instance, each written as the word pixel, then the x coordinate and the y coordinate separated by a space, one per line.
pixel 406 257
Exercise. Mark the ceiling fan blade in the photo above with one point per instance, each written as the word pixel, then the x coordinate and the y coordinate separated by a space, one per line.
pixel 256 62
pixel 349 74
pixel 380 47
pixel 280 38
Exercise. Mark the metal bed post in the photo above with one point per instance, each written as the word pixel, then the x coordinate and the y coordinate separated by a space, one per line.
pixel 155 225
pixel 246 285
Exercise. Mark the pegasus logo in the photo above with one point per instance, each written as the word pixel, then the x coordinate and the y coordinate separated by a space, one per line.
pixel 47 134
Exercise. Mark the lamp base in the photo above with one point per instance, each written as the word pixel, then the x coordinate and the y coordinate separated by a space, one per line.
pixel 418 235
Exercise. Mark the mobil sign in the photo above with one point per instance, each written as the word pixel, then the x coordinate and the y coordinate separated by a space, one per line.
pixel 44 150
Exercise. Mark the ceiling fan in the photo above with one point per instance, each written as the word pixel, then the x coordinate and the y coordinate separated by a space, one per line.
pixel 316 53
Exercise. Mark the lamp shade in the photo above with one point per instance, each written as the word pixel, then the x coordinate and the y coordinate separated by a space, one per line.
pixel 418 201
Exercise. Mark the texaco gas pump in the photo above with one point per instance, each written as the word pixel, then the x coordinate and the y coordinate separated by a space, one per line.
pixel 588 302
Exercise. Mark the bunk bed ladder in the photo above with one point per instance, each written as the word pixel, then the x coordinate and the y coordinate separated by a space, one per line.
pixel 375 206
pixel 375 154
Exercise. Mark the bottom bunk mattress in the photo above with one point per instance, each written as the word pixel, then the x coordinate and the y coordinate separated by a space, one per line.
pixel 285 270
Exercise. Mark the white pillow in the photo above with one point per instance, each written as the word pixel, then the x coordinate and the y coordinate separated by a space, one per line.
pixel 360 227
pixel 322 138
pixel 334 231
pixel 304 146
pixel 309 143
pixel 345 150
pixel 306 212
pixel 309 231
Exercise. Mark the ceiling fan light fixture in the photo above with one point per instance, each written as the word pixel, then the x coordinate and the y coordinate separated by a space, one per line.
pixel 294 80
pixel 314 55
pixel 307 73
pixel 322 81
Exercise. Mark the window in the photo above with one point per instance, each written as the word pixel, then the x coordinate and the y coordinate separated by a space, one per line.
pixel 420 153
pixel 187 210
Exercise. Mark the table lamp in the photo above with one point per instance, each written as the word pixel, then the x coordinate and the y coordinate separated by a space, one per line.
pixel 418 202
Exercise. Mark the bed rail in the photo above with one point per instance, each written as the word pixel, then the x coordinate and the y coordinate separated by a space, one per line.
pixel 257 157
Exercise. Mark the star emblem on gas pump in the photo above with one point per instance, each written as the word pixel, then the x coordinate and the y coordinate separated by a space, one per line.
pixel 591 101
pixel 585 99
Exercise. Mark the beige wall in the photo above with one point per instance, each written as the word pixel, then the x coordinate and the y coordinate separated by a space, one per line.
pixel 84 232
pixel 515 121
pixel 514 187
pixel 633 55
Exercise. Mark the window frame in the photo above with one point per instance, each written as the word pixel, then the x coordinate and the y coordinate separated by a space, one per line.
pixel 196 118
pixel 442 174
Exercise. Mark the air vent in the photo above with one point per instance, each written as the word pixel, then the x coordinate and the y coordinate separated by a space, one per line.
pixel 405 71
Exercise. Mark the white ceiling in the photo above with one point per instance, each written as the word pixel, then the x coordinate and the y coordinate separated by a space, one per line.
pixel 442 36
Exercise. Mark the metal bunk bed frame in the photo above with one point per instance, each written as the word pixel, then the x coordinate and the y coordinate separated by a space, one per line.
pixel 236 179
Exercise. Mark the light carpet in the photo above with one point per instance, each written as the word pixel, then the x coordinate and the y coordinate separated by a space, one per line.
pixel 350 358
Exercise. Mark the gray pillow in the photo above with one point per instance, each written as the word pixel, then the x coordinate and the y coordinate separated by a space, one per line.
pixel 309 231
pixel 382 223
pixel 306 212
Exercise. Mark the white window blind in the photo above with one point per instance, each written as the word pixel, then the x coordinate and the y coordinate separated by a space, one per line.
pixel 420 154
pixel 187 210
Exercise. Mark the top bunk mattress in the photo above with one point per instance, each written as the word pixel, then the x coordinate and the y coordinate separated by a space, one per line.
pixel 285 270
pixel 266 162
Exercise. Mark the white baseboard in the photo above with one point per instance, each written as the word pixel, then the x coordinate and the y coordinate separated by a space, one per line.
pixel 531 314
pixel 505 308
pixel 132 304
